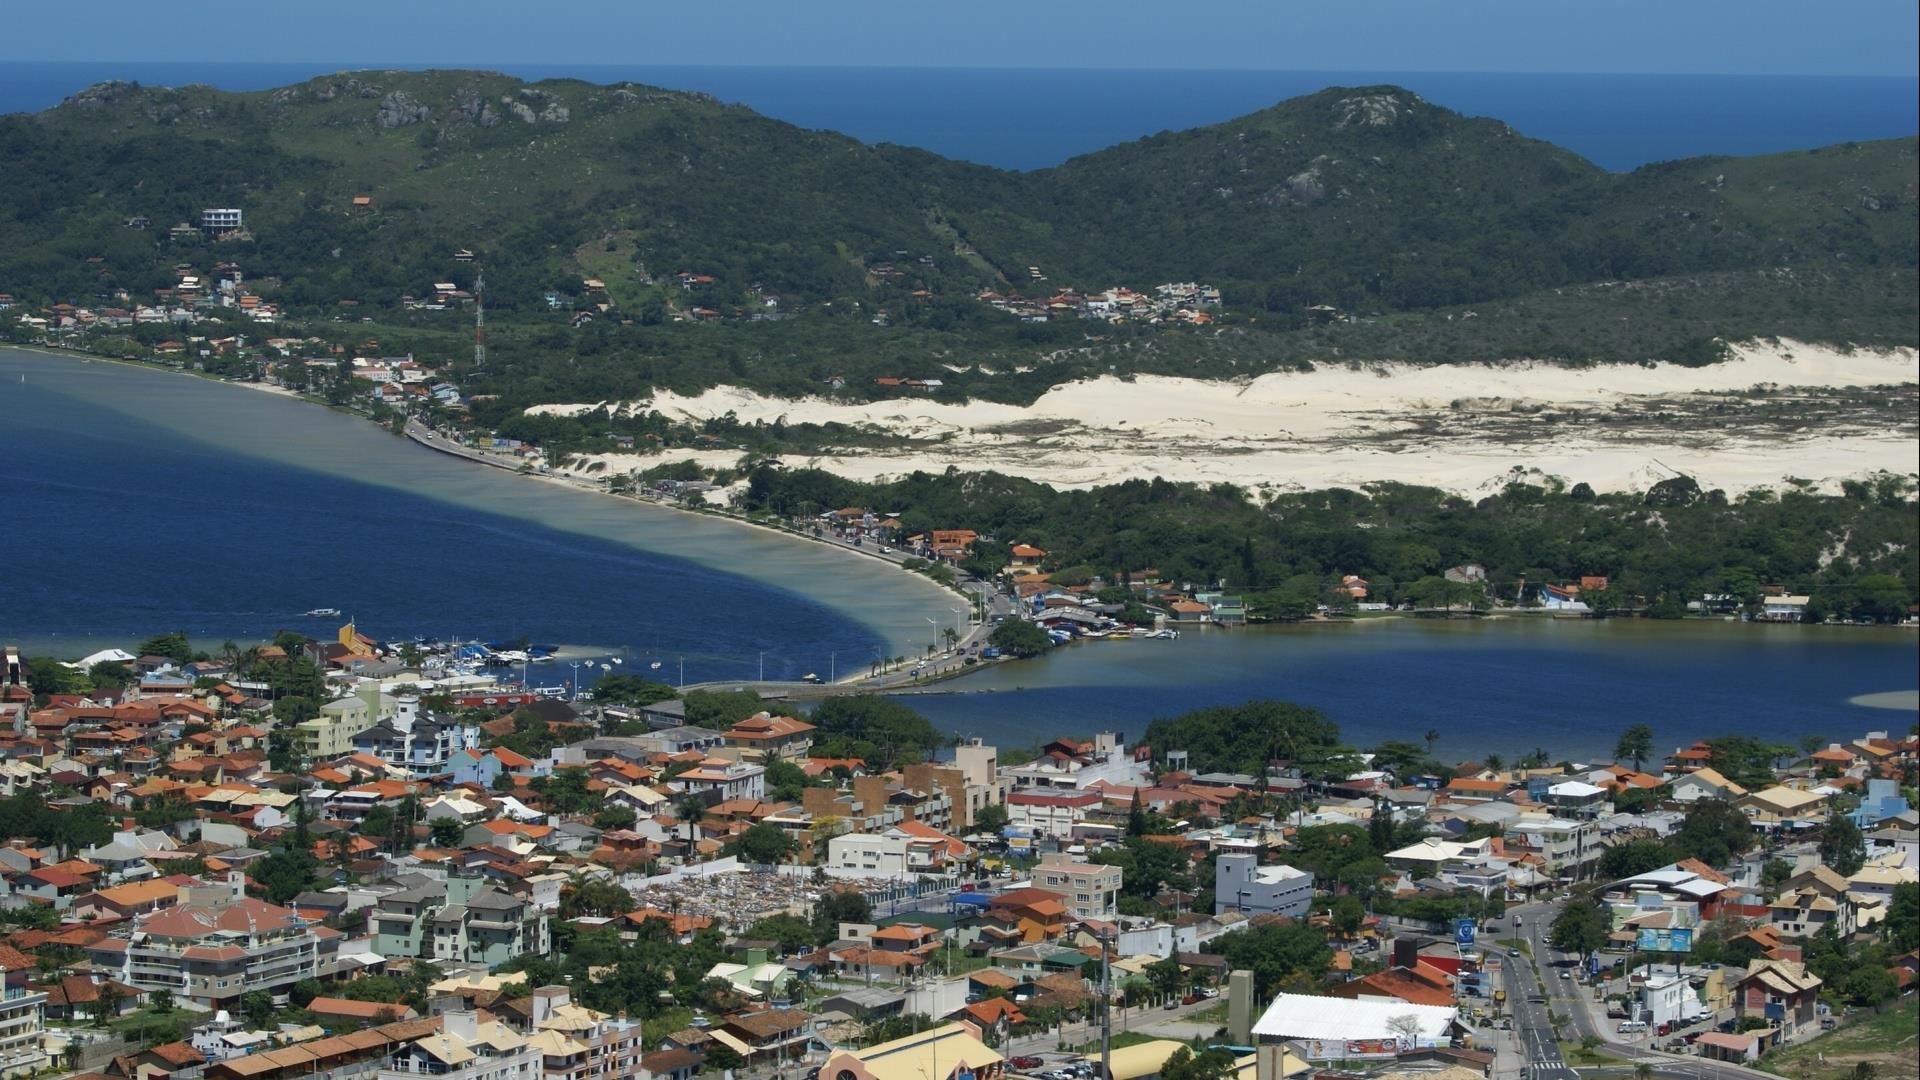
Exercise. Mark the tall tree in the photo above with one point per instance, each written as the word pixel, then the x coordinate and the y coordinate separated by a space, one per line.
pixel 1581 927
pixel 1635 745
pixel 1842 847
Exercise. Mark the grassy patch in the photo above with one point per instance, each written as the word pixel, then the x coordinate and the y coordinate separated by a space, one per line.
pixel 1120 1039
pixel 1215 1013
pixel 1576 1055
pixel 958 962
pixel 1889 1041
pixel 1522 944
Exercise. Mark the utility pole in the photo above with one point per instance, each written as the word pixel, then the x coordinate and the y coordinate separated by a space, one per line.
pixel 1106 1008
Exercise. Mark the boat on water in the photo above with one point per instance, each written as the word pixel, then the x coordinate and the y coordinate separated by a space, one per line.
pixel 323 613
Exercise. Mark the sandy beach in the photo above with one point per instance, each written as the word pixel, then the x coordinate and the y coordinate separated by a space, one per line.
pixel 1773 412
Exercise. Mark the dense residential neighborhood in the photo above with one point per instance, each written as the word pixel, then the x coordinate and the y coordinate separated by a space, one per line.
pixel 337 856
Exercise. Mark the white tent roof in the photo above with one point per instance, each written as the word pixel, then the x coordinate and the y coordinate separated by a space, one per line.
pixel 1309 1016
pixel 1575 789
pixel 104 656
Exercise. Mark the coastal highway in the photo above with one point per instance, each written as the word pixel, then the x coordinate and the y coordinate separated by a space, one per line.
pixel 980 595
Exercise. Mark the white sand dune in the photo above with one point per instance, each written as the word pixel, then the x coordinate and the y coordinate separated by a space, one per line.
pixel 1459 427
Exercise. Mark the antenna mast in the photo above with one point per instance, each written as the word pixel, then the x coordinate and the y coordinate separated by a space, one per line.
pixel 480 319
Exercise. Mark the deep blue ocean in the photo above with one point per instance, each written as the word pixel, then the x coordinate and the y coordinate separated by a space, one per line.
pixel 1026 119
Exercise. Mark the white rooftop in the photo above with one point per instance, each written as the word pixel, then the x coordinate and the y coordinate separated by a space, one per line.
pixel 1310 1016
pixel 1575 789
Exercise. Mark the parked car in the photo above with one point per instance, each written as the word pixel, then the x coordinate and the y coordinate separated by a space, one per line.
pixel 1026 1061
pixel 1192 999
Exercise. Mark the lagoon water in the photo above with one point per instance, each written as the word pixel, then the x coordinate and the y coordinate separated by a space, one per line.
pixel 1501 686
pixel 140 500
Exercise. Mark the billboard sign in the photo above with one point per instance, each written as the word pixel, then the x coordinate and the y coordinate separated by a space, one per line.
pixel 1463 932
pixel 1677 939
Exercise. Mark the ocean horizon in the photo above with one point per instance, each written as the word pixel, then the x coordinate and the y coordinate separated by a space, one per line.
pixel 1028 118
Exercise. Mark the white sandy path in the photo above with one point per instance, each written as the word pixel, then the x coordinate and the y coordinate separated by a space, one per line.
pixel 1292 429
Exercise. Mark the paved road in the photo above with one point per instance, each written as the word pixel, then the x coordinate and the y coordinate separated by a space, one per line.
pixel 984 595
pixel 1573 999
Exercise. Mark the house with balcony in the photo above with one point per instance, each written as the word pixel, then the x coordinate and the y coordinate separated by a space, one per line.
pixel 1782 992
pixel 574 1042
pixel 768 1035
pixel 1811 901
pixel 22 1017
pixel 465 1049
pixel 465 920
pixel 891 852
pixel 1089 890
pixel 421 745
pixel 1567 848
pixel 1069 765
pixel 725 780
pixel 765 737
pixel 216 945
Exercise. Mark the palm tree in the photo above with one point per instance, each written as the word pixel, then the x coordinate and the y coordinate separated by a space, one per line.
pixel 1432 736
pixel 689 809
pixel 1494 761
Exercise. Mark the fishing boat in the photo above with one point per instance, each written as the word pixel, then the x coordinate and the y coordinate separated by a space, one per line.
pixel 323 613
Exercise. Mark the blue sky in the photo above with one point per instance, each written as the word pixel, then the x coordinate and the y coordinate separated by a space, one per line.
pixel 1833 37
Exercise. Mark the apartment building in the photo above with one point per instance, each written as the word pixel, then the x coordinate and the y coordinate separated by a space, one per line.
pixel 217 944
pixel 1091 891
pixel 574 1042
pixel 23 1011
pixel 1051 814
pixel 1568 848
pixel 1070 765
pixel 891 852
pixel 330 734
pixel 463 921
pixel 726 779
pixel 465 1049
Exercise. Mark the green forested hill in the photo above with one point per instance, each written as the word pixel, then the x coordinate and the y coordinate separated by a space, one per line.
pixel 1368 199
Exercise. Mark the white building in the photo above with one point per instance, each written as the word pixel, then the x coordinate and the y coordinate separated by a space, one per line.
pixel 1050 814
pixel 1329 1028
pixel 732 779
pixel 1784 608
pixel 1241 884
pixel 891 852
pixel 220 221
pixel 23 1017
pixel 1666 998
pixel 1106 759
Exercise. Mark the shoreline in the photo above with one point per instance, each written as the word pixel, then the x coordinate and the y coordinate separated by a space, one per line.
pixel 890 683
pixel 565 481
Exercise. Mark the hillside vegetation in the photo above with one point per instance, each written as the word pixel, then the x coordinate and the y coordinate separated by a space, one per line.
pixel 1369 200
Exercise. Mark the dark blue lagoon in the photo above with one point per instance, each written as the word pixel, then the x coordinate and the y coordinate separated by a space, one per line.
pixel 144 501
pixel 1501 686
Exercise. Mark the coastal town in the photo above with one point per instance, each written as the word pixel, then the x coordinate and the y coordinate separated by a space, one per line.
pixel 993 543
pixel 345 857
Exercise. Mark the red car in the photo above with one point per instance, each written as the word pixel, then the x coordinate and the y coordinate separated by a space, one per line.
pixel 1192 999
pixel 1027 1061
